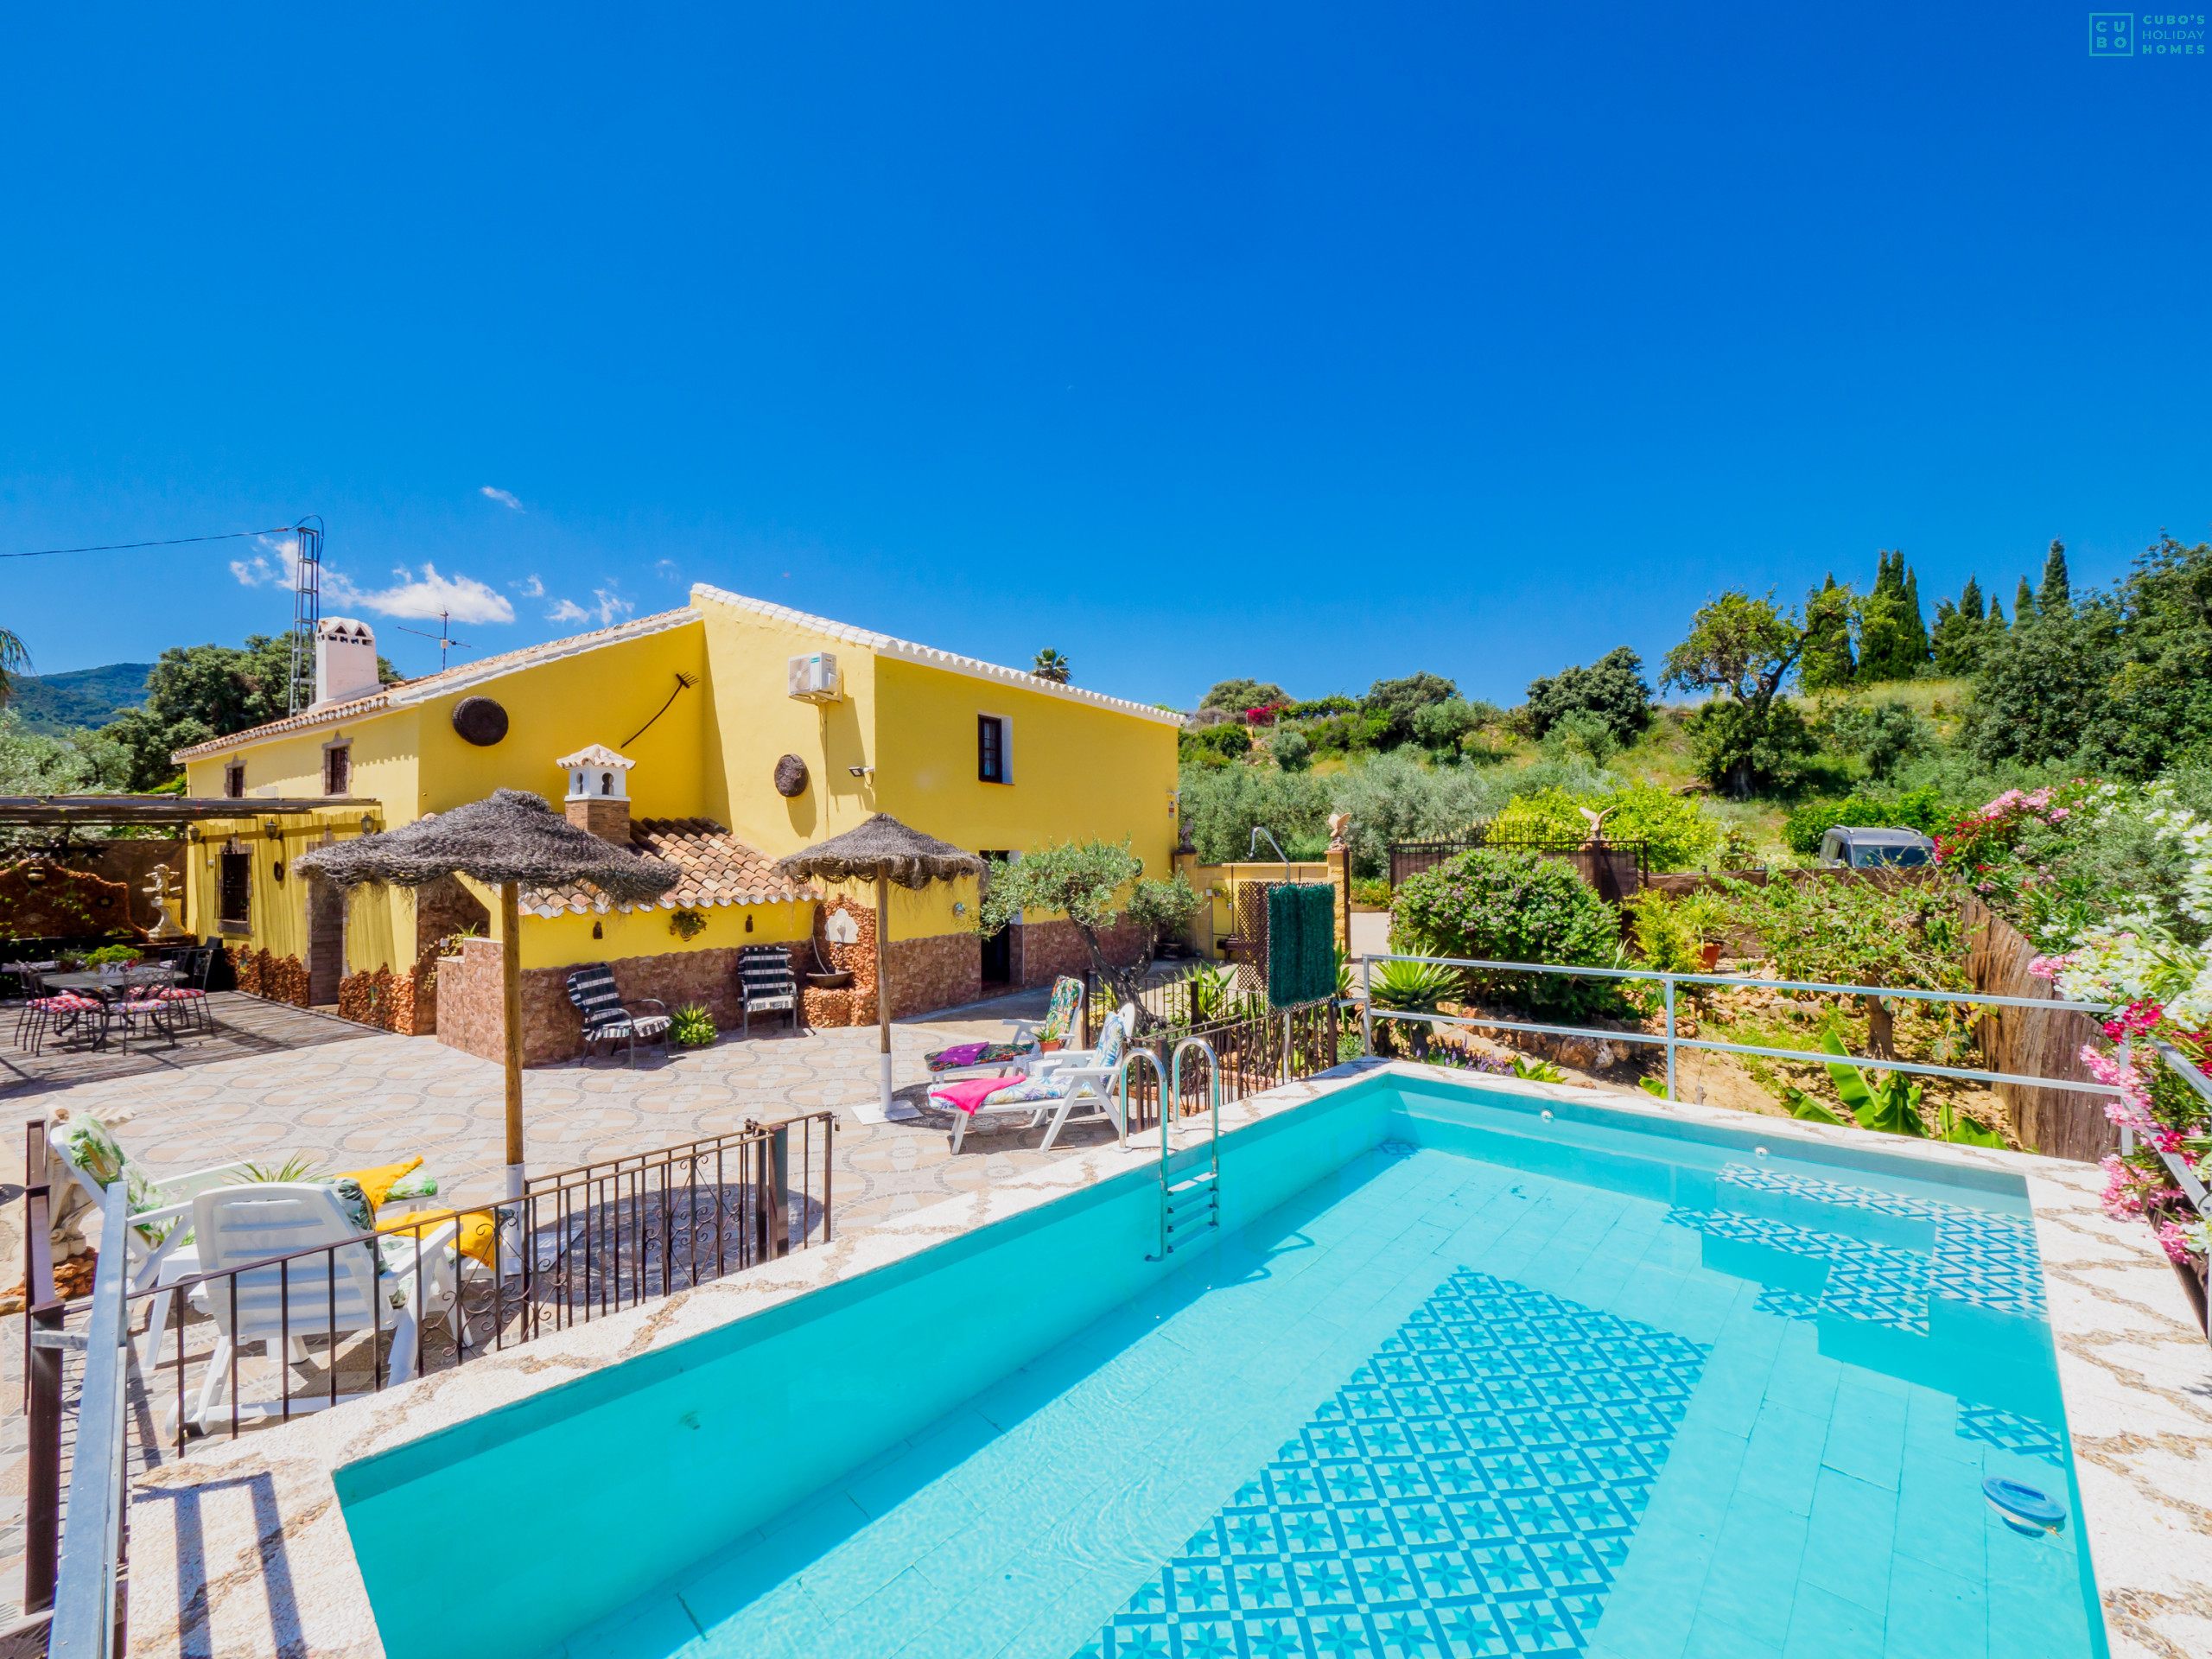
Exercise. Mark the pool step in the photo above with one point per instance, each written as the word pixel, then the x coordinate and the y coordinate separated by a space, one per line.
pixel 1190 1176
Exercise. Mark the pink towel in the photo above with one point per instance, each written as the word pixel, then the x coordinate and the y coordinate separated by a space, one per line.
pixel 969 1092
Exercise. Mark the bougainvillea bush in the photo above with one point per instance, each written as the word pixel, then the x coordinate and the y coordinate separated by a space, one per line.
pixel 1512 906
pixel 2162 989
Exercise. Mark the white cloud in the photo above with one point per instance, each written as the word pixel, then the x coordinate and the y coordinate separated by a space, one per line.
pixel 607 607
pixel 666 569
pixel 277 561
pixel 505 497
pixel 530 587
pixel 464 598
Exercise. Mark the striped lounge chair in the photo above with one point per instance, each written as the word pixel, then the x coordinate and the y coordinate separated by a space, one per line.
pixel 607 1019
pixel 1062 1020
pixel 765 983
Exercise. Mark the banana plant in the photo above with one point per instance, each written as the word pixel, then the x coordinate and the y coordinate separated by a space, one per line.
pixel 1891 1106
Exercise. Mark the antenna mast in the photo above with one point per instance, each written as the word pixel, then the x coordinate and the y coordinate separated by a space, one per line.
pixel 443 636
pixel 306 610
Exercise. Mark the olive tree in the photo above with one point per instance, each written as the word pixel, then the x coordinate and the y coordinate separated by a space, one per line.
pixel 1086 880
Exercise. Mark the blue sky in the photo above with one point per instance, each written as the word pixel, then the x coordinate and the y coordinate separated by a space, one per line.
pixel 1315 344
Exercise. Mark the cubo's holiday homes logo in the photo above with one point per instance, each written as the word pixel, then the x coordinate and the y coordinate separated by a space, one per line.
pixel 2148 33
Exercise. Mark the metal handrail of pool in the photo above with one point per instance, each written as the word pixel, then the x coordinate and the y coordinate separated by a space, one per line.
pixel 1122 1082
pixel 1673 1041
pixel 84 1624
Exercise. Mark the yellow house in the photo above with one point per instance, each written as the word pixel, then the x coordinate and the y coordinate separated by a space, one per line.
pixel 720 736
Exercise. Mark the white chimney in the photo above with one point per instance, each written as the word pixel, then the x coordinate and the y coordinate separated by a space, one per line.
pixel 345 660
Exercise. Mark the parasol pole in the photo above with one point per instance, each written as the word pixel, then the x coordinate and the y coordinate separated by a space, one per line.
pixel 882 989
pixel 510 1010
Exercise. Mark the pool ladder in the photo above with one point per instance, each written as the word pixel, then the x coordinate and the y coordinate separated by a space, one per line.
pixel 1190 1176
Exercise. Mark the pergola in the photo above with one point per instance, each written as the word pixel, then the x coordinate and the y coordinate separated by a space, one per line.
pixel 107 812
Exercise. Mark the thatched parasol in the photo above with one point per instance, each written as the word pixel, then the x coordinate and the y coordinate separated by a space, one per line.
pixel 515 840
pixel 882 850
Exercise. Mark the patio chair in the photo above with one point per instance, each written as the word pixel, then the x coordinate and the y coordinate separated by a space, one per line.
pixel 84 1157
pixel 1063 1017
pixel 55 1016
pixel 380 1283
pixel 191 996
pixel 1056 1084
pixel 25 976
pixel 607 1019
pixel 765 983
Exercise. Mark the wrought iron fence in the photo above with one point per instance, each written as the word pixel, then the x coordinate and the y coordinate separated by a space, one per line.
pixel 1616 869
pixel 1257 1049
pixel 346 1318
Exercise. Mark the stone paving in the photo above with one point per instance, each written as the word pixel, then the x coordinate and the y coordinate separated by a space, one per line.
pixel 354 1097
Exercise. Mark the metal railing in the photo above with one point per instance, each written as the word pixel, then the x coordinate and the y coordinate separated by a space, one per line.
pixel 85 1598
pixel 577 1244
pixel 346 1318
pixel 2185 1177
pixel 1673 1041
pixel 1256 1052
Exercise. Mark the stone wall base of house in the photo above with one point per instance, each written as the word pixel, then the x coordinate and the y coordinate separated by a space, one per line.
pixel 940 970
pixel 1044 950
pixel 405 1003
pixel 468 999
pixel 279 979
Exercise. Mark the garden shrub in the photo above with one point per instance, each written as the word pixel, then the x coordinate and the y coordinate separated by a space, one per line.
pixel 1678 837
pixel 1921 808
pixel 1513 907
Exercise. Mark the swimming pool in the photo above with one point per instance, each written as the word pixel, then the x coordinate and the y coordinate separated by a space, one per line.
pixel 1468 1372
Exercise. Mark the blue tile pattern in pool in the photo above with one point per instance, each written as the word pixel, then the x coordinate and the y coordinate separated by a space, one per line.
pixel 1993 1426
pixel 1471 1489
pixel 1989 1261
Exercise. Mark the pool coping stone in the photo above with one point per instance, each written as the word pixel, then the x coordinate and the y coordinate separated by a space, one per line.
pixel 269 1572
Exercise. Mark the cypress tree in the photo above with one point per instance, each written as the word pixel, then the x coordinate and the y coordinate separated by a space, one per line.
pixel 1826 662
pixel 2057 592
pixel 1996 623
pixel 2023 605
pixel 1913 633
pixel 1970 600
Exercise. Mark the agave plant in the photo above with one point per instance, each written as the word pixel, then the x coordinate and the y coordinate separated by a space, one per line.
pixel 1414 987
pixel 298 1167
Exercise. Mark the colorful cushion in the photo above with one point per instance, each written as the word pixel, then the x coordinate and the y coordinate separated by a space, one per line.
pixel 1060 1018
pixel 180 993
pixel 966 1054
pixel 360 1214
pixel 478 1236
pixel 376 1184
pixel 1027 1090
pixel 92 1148
pixel 419 1184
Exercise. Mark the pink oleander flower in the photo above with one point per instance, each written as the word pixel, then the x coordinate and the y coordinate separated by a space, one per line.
pixel 2049 967
pixel 2170 1240
pixel 2123 1195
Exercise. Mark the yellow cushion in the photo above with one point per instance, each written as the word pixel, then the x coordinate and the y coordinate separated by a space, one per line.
pixel 376 1183
pixel 478 1236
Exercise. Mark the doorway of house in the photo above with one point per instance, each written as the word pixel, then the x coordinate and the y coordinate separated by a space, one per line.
pixel 326 942
pixel 998 949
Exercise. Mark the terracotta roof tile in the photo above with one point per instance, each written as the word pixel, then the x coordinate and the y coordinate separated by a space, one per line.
pixel 717 869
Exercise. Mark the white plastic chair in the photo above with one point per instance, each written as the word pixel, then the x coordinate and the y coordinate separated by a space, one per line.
pixel 361 1286
pixel 1080 1075
pixel 177 1192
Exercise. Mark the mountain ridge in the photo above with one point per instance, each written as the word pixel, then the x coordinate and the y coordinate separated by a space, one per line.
pixel 83 698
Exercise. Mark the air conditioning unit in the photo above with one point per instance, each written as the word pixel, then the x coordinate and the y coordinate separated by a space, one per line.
pixel 814 678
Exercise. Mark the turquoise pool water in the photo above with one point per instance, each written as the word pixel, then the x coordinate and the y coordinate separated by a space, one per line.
pixel 1474 1381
